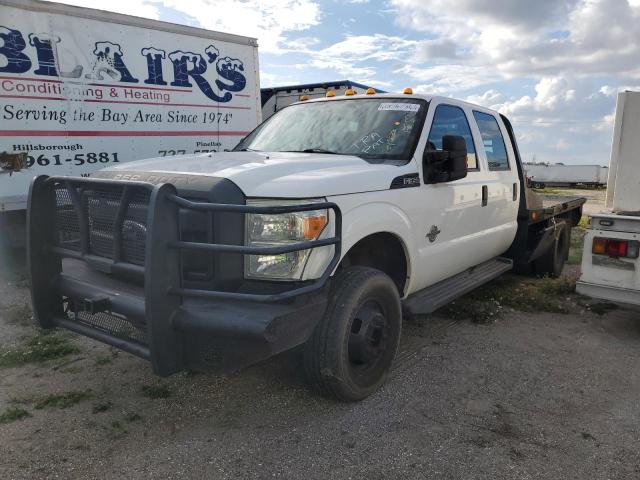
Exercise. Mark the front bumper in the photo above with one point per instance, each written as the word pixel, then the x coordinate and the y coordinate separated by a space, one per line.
pixel 145 307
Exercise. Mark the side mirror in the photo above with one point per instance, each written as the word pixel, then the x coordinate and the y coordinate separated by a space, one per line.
pixel 446 165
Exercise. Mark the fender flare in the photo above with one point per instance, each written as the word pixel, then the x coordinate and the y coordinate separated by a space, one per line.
pixel 378 217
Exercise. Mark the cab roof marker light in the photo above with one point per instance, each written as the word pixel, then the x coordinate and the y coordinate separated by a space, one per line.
pixel 331 93
pixel 408 91
pixel 349 91
pixel 370 91
pixel 303 98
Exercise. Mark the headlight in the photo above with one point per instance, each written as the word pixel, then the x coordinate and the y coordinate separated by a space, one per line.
pixel 266 230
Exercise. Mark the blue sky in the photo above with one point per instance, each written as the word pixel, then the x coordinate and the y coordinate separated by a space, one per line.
pixel 553 66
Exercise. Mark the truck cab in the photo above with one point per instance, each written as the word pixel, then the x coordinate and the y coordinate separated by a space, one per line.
pixel 323 226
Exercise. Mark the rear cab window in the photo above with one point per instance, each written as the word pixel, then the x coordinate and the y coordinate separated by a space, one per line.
pixel 492 141
pixel 451 120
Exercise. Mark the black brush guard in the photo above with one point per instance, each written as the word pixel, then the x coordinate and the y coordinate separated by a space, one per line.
pixel 159 319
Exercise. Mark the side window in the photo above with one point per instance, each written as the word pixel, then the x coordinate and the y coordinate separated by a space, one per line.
pixel 492 141
pixel 450 120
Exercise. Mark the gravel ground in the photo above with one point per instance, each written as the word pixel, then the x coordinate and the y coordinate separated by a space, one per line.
pixel 532 395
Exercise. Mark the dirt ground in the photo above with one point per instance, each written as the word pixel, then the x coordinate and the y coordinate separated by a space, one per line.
pixel 523 392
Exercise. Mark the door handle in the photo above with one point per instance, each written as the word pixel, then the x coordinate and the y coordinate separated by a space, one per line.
pixel 515 191
pixel 485 195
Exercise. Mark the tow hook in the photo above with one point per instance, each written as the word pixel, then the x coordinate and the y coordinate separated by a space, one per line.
pixel 96 304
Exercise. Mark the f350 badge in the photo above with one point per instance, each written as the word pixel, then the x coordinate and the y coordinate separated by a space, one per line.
pixel 433 233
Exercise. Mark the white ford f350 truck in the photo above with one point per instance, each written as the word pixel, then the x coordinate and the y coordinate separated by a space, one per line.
pixel 319 230
pixel 611 255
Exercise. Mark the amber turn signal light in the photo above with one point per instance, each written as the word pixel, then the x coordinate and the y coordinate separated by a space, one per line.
pixel 313 226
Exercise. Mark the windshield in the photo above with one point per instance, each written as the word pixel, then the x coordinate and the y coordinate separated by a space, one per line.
pixel 385 128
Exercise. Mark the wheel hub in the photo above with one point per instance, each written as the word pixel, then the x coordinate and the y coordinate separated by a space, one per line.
pixel 368 336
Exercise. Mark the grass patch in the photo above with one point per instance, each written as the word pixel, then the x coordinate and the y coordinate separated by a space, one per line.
pixel 584 221
pixel 39 349
pixel 549 191
pixel 576 246
pixel 486 303
pixel 13 414
pixel 156 391
pixel 62 400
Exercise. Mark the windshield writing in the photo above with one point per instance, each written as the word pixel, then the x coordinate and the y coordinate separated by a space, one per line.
pixel 384 128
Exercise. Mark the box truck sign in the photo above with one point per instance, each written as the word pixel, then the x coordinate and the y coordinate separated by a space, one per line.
pixel 77 94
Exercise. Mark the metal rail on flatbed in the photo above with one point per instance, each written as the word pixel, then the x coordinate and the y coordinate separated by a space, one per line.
pixel 554 205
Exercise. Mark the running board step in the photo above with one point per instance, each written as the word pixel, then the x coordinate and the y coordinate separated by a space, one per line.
pixel 432 298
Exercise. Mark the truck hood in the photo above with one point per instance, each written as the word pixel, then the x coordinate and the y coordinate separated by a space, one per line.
pixel 278 174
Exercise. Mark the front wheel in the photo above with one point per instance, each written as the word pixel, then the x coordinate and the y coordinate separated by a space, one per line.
pixel 351 350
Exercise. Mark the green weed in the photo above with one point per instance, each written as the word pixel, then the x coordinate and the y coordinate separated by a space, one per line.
pixel 39 349
pixel 62 400
pixel 486 303
pixel 156 391
pixel 13 414
pixel 576 246
pixel 549 191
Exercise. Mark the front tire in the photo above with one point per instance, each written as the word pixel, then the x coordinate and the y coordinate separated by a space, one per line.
pixel 351 350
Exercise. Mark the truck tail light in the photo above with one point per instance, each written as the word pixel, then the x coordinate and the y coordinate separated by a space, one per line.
pixel 615 247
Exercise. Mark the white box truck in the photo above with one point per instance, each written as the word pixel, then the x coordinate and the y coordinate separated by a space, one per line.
pixel 81 89
pixel 610 261
pixel 542 175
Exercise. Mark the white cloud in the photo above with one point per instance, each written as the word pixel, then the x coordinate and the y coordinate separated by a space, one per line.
pixel 443 79
pixel 358 56
pixel 275 80
pixel 576 53
pixel 490 98
pixel 270 21
pixel 138 8
pixel 545 37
